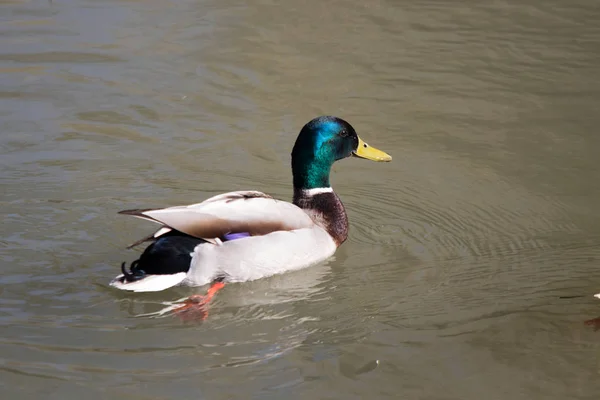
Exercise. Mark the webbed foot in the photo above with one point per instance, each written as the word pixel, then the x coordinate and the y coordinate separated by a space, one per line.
pixel 195 307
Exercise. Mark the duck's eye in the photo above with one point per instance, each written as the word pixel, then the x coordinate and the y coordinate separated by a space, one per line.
pixel 344 133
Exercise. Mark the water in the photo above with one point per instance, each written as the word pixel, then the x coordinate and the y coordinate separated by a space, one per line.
pixel 449 285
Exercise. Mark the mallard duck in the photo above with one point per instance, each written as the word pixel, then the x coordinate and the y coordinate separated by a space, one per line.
pixel 247 235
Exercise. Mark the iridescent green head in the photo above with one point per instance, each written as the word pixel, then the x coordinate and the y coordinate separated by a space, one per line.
pixel 321 142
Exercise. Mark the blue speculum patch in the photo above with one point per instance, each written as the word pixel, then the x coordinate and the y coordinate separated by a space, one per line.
pixel 233 236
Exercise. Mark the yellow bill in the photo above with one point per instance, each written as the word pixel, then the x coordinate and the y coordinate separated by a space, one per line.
pixel 370 153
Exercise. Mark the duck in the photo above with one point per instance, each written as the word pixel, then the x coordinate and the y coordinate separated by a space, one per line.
pixel 247 235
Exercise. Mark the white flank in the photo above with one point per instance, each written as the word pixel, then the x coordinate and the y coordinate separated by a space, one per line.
pixel 314 191
pixel 597 296
pixel 150 283
pixel 257 257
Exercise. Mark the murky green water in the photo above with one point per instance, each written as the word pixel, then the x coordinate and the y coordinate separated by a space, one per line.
pixel 449 285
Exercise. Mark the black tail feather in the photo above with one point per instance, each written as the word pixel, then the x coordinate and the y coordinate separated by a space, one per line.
pixel 134 274
pixel 169 254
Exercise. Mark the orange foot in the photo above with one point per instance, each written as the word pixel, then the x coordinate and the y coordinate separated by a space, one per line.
pixel 594 323
pixel 196 306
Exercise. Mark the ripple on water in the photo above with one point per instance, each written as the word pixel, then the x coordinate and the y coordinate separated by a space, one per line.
pixel 59 57
pixel 102 348
pixel 431 216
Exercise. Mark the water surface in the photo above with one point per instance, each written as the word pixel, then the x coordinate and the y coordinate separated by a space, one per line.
pixel 448 286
